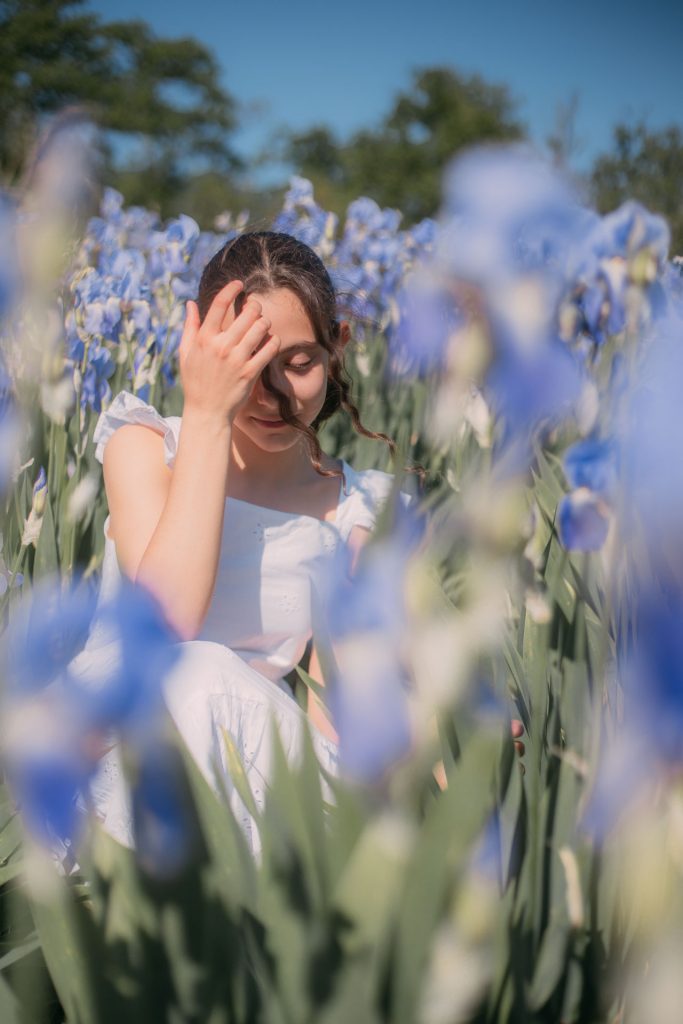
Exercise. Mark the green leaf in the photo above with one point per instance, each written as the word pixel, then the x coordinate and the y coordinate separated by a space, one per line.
pixel 368 889
pixel 557 571
pixel 550 965
pixel 231 858
pixel 238 775
pixel 74 950
pixel 452 825
pixel 47 559
pixel 287 822
pixel 18 952
pixel 9 1007
pixel 312 684
pixel 520 687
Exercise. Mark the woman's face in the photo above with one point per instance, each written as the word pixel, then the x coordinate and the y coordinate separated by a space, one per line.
pixel 299 370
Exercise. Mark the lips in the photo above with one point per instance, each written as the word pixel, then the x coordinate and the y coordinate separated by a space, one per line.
pixel 268 423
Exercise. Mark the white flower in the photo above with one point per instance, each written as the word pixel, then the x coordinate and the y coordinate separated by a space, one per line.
pixel 454 981
pixel 84 493
pixel 32 527
pixel 57 399
pixel 363 363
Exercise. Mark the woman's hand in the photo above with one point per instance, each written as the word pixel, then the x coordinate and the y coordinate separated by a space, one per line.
pixel 221 358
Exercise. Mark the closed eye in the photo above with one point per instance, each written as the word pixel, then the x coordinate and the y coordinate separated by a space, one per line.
pixel 300 366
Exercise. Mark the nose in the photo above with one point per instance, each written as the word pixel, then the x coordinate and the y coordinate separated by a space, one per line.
pixel 264 398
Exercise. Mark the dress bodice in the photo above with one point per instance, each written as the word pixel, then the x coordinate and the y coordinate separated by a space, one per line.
pixel 274 566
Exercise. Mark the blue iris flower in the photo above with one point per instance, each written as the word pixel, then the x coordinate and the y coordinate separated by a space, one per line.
pixel 652 671
pixel 46 788
pixel 111 204
pixel 95 390
pixel 42 643
pixel 627 230
pixel 593 463
pixel 509 212
pixel 162 822
pixel 532 388
pixel 103 317
pixel 120 694
pixel 127 696
pixel 180 238
pixel 582 521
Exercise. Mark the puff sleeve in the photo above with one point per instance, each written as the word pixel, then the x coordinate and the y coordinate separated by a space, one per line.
pixel 368 493
pixel 128 408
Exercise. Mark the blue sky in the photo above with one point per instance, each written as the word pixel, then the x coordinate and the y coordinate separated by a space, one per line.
pixel 295 64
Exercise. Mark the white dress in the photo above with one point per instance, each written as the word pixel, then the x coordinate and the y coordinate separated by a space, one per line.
pixel 272 570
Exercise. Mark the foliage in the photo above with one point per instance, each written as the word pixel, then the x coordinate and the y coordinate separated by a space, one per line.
pixel 164 92
pixel 400 164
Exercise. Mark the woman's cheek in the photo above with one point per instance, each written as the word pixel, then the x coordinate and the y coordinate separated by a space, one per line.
pixel 312 386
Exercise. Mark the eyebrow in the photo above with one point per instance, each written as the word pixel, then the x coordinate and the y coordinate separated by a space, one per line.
pixel 300 345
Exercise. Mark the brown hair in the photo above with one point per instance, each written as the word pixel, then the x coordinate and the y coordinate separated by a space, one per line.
pixel 266 261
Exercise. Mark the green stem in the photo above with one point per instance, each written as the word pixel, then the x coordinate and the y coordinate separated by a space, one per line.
pixel 536 649
pixel 17 565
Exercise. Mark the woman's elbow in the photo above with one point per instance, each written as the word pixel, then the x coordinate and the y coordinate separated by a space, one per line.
pixel 185 622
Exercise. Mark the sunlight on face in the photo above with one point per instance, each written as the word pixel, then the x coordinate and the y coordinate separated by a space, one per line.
pixel 299 370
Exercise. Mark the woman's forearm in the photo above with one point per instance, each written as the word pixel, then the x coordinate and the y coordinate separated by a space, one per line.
pixel 180 562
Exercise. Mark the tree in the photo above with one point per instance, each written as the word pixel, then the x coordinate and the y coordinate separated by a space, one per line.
pixel 162 92
pixel 647 166
pixel 402 163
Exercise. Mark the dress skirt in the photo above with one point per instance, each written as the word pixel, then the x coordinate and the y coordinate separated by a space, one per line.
pixel 211 690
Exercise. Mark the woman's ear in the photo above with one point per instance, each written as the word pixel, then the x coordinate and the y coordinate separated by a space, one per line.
pixel 344 333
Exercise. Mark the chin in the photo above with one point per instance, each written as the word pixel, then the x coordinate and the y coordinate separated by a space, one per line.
pixel 269 439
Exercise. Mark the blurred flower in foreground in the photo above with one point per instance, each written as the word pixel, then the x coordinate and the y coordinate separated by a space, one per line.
pixel 9 277
pixel 64 164
pixel 652 670
pixel 648 748
pixel 583 521
pixel 584 516
pixel 367 621
pixel 10 431
pixel 509 226
pixel 61 704
pixel 652 434
pixel 425 318
pixel 509 212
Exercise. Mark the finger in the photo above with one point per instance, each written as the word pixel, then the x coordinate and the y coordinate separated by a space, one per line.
pixel 251 340
pixel 260 359
pixel 189 330
pixel 221 309
pixel 516 728
pixel 242 324
pixel 519 747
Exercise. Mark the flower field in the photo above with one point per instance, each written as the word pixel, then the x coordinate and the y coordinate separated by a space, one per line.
pixel 528 354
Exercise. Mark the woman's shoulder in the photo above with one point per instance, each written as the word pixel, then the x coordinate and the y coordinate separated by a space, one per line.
pixel 127 409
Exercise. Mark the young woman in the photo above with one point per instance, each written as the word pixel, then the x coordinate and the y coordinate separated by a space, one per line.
pixel 232 516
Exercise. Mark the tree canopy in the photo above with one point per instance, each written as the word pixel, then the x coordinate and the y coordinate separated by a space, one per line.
pixel 164 92
pixel 402 162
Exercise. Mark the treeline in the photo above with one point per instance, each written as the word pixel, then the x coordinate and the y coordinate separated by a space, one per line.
pixel 160 101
